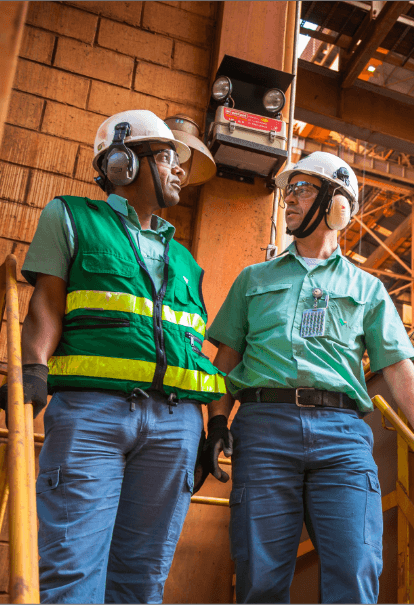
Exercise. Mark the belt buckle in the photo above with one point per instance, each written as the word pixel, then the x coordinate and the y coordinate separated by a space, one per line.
pixel 297 395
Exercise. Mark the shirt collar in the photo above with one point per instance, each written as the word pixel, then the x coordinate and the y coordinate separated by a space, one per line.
pixel 291 249
pixel 120 204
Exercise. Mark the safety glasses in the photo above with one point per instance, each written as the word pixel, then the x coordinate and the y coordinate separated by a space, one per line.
pixel 301 190
pixel 167 157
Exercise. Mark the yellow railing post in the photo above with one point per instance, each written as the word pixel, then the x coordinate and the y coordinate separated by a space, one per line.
pixel 22 511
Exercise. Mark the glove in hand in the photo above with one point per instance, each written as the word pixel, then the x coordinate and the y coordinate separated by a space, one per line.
pixel 219 439
pixel 200 470
pixel 34 388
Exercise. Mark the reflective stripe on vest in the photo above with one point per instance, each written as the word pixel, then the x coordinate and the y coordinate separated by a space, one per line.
pixel 137 370
pixel 128 303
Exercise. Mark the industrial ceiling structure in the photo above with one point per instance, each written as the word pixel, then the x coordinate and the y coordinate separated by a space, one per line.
pixel 355 98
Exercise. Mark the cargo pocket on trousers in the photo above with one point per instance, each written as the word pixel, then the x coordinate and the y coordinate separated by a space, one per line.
pixel 51 507
pixel 238 533
pixel 373 513
pixel 181 508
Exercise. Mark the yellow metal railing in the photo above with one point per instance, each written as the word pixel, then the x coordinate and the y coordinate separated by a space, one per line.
pixel 18 484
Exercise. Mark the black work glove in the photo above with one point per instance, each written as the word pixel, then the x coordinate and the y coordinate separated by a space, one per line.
pixel 34 388
pixel 219 439
pixel 200 470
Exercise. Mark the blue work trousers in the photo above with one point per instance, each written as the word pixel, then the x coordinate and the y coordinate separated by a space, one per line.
pixel 113 491
pixel 292 465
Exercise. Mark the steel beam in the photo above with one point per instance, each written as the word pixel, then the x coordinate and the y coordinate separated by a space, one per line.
pixel 397 237
pixel 383 245
pixel 375 34
pixel 364 111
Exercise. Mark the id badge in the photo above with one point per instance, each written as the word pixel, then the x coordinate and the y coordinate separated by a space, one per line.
pixel 313 320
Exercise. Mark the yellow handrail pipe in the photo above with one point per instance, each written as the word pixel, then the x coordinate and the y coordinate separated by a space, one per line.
pixel 24 583
pixel 400 426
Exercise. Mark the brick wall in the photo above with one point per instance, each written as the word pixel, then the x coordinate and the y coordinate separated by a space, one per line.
pixel 79 63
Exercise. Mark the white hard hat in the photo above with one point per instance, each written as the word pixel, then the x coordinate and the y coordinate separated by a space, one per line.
pixel 145 126
pixel 328 167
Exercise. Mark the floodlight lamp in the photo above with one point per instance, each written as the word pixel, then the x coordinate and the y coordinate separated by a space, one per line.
pixel 274 100
pixel 222 89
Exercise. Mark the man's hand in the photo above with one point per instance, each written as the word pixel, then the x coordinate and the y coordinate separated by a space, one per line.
pixel 34 388
pixel 219 439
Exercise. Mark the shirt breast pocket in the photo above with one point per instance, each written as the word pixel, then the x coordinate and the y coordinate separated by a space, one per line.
pixel 344 318
pixel 268 305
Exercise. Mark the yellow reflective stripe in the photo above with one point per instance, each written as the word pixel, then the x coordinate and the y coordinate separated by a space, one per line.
pixel 132 369
pixel 182 318
pixel 128 303
pixel 194 380
pixel 102 367
pixel 108 301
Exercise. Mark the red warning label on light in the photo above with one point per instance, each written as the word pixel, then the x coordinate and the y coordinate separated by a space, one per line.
pixel 250 120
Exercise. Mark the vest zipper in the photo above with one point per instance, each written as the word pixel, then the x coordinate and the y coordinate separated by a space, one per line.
pixel 161 358
pixel 193 338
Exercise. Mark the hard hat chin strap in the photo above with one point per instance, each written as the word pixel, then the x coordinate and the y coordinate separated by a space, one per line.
pixel 321 202
pixel 148 153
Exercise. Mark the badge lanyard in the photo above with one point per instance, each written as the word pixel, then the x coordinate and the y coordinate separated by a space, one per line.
pixel 313 320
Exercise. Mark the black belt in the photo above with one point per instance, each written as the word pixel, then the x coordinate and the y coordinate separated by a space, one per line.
pixel 303 397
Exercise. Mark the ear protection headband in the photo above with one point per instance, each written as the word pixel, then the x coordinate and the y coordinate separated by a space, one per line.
pixel 121 165
pixel 335 209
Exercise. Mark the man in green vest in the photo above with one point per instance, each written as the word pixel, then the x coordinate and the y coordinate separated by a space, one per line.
pixel 114 330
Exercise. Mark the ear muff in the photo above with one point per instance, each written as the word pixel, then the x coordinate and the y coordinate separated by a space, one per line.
pixel 121 167
pixel 338 213
pixel 120 164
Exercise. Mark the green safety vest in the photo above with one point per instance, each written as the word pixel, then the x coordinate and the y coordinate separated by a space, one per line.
pixel 118 332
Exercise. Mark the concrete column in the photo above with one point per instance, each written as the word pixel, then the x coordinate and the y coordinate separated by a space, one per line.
pixel 234 219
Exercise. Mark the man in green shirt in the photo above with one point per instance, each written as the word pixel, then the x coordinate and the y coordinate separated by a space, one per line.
pixel 291 336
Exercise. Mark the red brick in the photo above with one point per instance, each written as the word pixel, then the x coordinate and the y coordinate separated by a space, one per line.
pixel 130 12
pixel 37 150
pixel 198 115
pixel 63 20
pixel 176 23
pixel 20 251
pixel 45 186
pixel 51 83
pixel 70 122
pixel 192 58
pixel 13 182
pixel 135 42
pixel 84 170
pixel 168 84
pixel 111 99
pixel 25 110
pixel 207 9
pixel 98 63
pixel 37 45
pixel 17 221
